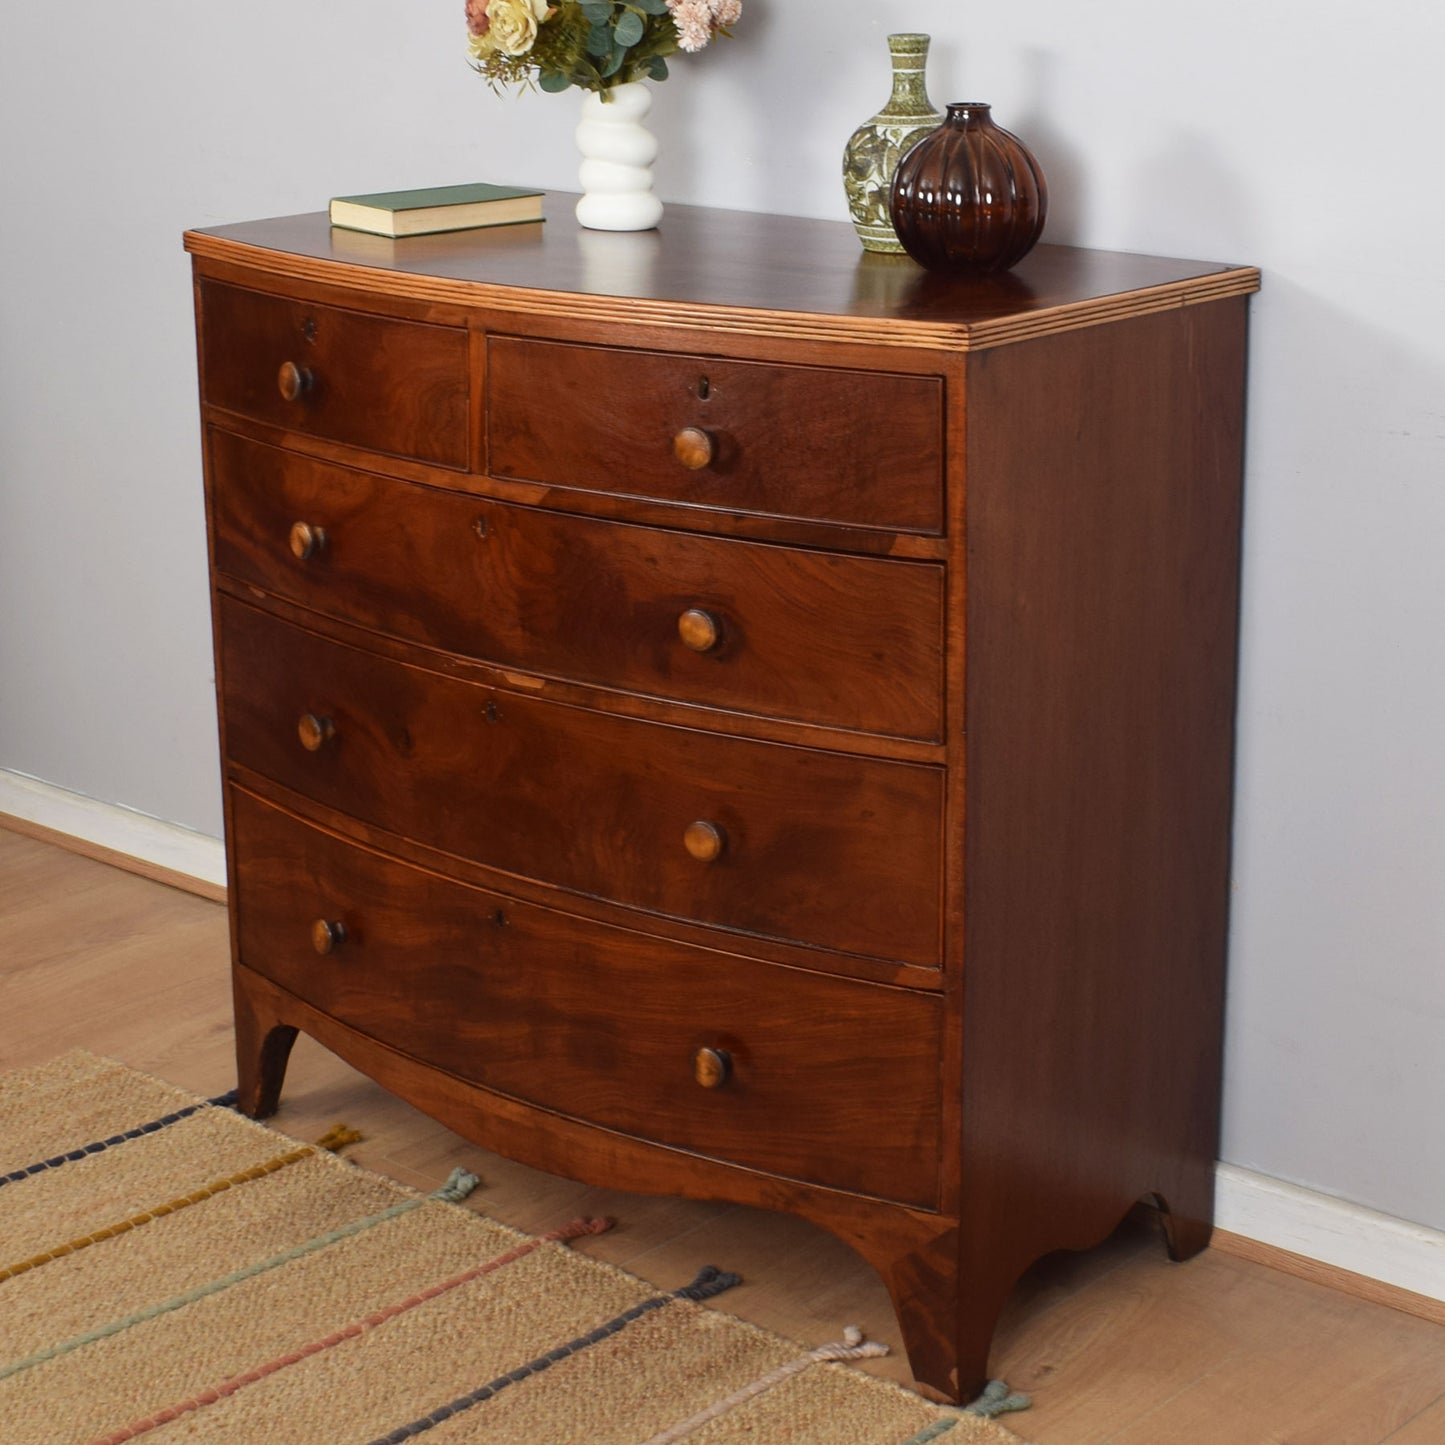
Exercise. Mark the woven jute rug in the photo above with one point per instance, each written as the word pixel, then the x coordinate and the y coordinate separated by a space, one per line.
pixel 171 1270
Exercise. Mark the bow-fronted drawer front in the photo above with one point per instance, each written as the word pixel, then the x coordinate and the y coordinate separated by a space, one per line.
pixel 717 1054
pixel 802 844
pixel 376 382
pixel 810 636
pixel 860 448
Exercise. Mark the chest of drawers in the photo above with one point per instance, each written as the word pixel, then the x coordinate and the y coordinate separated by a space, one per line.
pixel 710 712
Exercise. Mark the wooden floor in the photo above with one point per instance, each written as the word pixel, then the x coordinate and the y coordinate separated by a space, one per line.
pixel 1117 1345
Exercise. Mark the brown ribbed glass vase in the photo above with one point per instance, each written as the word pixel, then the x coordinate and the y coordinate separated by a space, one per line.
pixel 970 196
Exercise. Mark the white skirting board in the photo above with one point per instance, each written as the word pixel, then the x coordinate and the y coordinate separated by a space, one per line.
pixel 108 825
pixel 1255 1206
pixel 1332 1231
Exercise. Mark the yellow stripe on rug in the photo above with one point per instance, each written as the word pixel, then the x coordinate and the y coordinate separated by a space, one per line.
pixel 157 1211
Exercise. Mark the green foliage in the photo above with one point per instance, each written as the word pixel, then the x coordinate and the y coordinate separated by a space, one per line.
pixel 592 44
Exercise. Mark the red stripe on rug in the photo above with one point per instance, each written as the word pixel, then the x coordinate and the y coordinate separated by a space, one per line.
pixel 579 1228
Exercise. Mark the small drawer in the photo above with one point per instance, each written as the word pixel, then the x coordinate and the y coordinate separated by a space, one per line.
pixel 720 1055
pixel 817 443
pixel 850 642
pixel 369 381
pixel 815 847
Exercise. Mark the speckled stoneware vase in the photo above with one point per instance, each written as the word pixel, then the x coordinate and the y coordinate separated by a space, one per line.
pixel 875 148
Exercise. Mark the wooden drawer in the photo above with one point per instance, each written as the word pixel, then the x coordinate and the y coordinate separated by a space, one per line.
pixel 817 847
pixel 818 637
pixel 862 448
pixel 370 381
pixel 597 1022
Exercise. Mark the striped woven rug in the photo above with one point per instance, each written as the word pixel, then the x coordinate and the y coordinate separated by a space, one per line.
pixel 171 1270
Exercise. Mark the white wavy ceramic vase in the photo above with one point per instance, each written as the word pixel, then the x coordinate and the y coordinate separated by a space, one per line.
pixel 617 156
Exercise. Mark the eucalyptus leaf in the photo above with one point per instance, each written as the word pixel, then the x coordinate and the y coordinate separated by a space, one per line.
pixel 613 63
pixel 653 7
pixel 553 81
pixel 599 12
pixel 599 41
pixel 628 29
pixel 657 68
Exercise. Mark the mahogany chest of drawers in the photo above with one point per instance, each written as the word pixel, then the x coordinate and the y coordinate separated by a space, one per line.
pixel 708 711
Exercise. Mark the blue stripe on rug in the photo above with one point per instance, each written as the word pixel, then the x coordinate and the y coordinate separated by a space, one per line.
pixel 226 1101
pixel 710 1281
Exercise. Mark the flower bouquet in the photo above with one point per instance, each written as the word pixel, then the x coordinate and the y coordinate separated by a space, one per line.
pixel 606 48
pixel 596 45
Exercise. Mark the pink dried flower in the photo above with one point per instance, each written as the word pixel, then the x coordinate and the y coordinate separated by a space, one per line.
pixel 693 19
pixel 478 21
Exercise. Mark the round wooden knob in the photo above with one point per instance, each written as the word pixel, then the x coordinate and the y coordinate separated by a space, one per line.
pixel 306 540
pixel 705 841
pixel 712 1067
pixel 699 630
pixel 327 935
pixel 294 381
pixel 694 448
pixel 315 732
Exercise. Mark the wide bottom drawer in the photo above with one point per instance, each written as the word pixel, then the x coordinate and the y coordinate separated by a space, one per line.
pixel 808 1076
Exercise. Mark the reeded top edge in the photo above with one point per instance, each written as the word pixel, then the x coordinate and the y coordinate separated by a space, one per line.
pixel 708 269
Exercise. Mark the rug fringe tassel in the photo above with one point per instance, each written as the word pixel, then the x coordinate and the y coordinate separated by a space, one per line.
pixel 851 1347
pixel 710 1282
pixel 997 1399
pixel 579 1229
pixel 459 1184
pixel 337 1137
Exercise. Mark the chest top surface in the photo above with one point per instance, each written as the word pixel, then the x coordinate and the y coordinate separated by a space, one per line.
pixel 709 266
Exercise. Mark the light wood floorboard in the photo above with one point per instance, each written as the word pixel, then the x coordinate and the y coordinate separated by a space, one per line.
pixel 1117 1346
pixel 1425 1429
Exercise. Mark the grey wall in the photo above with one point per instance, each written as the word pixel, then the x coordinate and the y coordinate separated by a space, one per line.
pixel 1301 137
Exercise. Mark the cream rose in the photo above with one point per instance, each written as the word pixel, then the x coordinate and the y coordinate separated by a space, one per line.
pixel 511 28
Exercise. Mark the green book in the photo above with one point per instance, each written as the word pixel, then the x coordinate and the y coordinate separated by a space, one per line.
pixel 437 208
